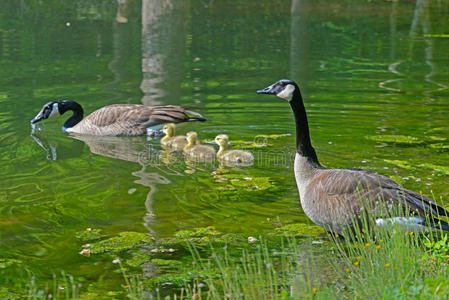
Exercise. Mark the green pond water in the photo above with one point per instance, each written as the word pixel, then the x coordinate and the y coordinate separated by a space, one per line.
pixel 374 76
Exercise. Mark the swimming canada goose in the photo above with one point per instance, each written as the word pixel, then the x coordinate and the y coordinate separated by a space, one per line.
pixel 195 151
pixel 237 157
pixel 171 141
pixel 334 198
pixel 116 119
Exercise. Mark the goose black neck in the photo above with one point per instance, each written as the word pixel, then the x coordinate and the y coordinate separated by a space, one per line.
pixel 77 116
pixel 303 144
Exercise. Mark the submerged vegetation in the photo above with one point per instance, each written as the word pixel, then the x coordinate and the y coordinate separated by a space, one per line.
pixel 383 263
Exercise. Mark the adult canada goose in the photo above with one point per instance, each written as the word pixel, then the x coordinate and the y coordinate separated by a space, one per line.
pixel 236 157
pixel 116 119
pixel 195 151
pixel 334 198
pixel 171 141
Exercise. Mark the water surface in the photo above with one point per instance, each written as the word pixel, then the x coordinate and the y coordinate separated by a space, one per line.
pixel 369 72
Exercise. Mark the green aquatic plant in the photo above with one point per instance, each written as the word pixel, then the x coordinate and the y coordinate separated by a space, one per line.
pixel 398 139
pixel 401 163
pixel 122 242
pixel 428 166
pixel 234 181
pixel 89 234
pixel 441 146
pixel 439 169
pixel 7 262
pixel 139 257
pixel 437 248
pixel 271 136
pixel 299 230
pixel 201 236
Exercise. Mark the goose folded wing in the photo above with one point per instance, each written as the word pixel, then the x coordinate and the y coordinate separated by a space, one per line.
pixel 135 115
pixel 354 188
pixel 116 113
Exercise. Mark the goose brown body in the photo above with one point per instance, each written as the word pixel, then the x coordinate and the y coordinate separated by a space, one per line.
pixel 128 119
pixel 116 119
pixel 336 198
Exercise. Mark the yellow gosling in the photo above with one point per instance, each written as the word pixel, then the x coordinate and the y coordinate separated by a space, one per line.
pixel 170 140
pixel 237 157
pixel 197 152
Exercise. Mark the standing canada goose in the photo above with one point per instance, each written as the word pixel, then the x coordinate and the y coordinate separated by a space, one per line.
pixel 116 119
pixel 334 198
pixel 237 157
pixel 195 151
pixel 171 141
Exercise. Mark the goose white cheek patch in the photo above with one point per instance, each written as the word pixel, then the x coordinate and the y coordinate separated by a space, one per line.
pixel 54 111
pixel 287 92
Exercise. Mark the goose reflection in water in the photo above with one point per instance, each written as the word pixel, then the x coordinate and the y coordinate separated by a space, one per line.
pixel 56 147
pixel 132 149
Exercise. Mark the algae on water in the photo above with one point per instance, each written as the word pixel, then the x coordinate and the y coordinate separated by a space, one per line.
pixel 398 139
pixel 89 234
pixel 239 181
pixel 122 242
pixel 300 229
pixel 6 262
pixel 428 166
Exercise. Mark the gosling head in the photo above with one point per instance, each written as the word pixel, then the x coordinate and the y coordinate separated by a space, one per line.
pixel 222 140
pixel 192 137
pixel 284 89
pixel 53 109
pixel 169 129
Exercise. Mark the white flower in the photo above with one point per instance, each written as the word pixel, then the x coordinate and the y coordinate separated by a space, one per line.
pixel 252 239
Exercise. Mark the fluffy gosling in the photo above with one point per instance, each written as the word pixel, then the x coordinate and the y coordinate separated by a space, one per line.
pixel 237 157
pixel 195 151
pixel 172 141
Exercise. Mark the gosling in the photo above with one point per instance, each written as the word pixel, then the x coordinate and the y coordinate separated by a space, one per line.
pixel 197 152
pixel 236 157
pixel 170 140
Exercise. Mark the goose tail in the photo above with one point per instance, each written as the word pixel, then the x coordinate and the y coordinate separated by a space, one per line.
pixel 198 117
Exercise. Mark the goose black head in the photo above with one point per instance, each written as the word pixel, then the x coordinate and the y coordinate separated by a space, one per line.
pixel 54 109
pixel 49 110
pixel 284 89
